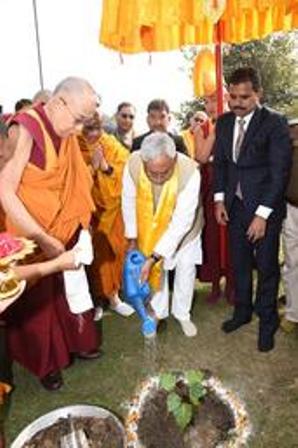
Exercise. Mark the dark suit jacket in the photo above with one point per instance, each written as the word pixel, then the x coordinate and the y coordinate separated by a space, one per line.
pixel 180 146
pixel 263 165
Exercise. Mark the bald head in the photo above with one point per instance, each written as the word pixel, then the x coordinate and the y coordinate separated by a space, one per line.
pixel 211 103
pixel 73 103
pixel 6 147
pixel 73 86
pixel 42 96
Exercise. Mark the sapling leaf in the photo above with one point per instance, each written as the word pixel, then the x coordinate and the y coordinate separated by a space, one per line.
pixel 168 381
pixel 173 402
pixel 183 415
pixel 194 376
pixel 196 393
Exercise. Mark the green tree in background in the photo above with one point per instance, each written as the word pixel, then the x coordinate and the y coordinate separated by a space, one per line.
pixel 275 58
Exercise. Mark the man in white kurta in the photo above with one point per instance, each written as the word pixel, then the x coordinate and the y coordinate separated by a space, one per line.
pixel 180 244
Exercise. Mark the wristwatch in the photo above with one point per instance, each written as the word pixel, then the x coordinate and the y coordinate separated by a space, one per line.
pixel 156 258
pixel 109 170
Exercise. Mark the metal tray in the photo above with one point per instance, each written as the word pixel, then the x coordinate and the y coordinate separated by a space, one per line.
pixel 78 410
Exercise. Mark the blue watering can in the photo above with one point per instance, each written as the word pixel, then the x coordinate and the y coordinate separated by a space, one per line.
pixel 137 294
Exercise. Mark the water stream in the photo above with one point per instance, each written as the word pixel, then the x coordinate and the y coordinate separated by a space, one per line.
pixel 151 356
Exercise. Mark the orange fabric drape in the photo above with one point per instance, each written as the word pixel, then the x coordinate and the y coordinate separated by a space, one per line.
pixel 132 26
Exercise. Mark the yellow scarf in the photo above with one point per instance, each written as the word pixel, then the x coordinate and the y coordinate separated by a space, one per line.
pixel 153 223
pixel 189 141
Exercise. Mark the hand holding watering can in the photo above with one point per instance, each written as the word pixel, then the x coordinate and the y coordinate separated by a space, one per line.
pixel 136 288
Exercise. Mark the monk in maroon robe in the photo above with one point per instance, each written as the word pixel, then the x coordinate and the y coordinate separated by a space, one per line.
pixel 45 190
pixel 216 257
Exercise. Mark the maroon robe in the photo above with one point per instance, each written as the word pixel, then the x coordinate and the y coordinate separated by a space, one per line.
pixel 212 269
pixel 42 332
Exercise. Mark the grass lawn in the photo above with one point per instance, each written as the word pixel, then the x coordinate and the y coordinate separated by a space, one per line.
pixel 267 383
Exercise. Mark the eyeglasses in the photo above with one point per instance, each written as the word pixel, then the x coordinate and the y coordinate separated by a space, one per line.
pixel 78 121
pixel 131 117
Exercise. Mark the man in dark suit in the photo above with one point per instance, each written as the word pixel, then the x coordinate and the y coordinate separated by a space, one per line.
pixel 252 163
pixel 158 119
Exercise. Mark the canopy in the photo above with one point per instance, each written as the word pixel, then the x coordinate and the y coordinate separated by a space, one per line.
pixel 132 26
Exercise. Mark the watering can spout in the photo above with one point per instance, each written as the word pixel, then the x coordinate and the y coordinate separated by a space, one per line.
pixel 137 294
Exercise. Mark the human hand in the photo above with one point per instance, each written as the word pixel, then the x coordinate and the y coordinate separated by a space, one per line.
pixel 132 244
pixel 66 261
pixel 221 214
pixel 256 229
pixel 146 269
pixel 98 160
pixel 51 246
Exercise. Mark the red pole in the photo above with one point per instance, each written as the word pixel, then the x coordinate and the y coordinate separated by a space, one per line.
pixel 220 110
pixel 219 67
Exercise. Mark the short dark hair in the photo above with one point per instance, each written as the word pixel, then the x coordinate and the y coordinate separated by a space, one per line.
pixel 246 74
pixel 21 103
pixel 3 130
pixel 124 104
pixel 159 105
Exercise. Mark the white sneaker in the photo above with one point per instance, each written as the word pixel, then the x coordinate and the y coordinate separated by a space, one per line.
pixel 188 328
pixel 98 313
pixel 122 308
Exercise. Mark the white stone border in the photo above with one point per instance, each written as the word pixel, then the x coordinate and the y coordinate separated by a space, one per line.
pixel 238 436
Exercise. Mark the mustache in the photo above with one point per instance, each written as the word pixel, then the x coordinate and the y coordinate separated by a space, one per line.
pixel 238 108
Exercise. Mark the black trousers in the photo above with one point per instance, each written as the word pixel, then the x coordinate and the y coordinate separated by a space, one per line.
pixel 262 255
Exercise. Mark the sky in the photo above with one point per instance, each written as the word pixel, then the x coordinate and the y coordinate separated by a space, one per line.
pixel 69 32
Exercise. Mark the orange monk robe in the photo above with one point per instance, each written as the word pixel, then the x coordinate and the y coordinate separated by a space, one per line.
pixel 58 197
pixel 108 238
pixel 66 177
pixel 189 142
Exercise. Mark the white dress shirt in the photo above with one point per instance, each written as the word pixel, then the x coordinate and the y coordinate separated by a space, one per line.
pixel 262 211
pixel 181 221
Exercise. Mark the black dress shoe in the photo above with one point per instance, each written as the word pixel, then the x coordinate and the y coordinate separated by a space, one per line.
pixel 52 381
pixel 88 356
pixel 266 336
pixel 266 342
pixel 233 324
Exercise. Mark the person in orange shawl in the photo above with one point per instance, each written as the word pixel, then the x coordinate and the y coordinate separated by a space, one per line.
pixel 24 272
pixel 211 269
pixel 45 190
pixel 107 157
pixel 197 118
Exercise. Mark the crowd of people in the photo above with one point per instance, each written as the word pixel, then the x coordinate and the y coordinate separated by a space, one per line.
pixel 208 204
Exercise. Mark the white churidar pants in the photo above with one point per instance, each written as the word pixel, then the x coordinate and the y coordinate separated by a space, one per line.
pixel 185 263
pixel 290 270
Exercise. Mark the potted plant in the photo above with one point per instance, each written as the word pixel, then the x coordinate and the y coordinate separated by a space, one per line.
pixel 186 410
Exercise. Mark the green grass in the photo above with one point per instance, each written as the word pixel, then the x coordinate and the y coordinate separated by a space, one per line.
pixel 268 383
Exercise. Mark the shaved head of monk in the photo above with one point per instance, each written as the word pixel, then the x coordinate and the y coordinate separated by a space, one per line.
pixel 6 148
pixel 72 105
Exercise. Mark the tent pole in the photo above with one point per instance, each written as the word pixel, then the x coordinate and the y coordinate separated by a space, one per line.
pixel 220 109
pixel 38 45
pixel 219 67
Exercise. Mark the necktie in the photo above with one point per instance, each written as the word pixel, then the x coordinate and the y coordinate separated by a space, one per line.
pixel 240 137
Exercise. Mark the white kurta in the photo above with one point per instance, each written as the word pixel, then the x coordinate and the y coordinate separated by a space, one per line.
pixel 183 259
pixel 180 224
